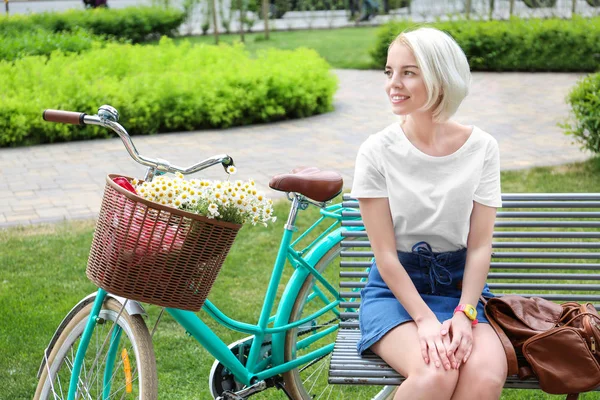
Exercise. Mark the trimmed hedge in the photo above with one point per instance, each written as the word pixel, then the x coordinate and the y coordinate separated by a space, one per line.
pixel 42 42
pixel 514 45
pixel 135 24
pixel 161 88
pixel 584 125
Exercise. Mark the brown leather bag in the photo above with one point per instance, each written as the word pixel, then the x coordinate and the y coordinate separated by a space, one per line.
pixel 554 342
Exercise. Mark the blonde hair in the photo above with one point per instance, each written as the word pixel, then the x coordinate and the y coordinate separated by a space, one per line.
pixel 444 67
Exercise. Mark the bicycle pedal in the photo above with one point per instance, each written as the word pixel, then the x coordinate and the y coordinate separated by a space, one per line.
pixel 227 395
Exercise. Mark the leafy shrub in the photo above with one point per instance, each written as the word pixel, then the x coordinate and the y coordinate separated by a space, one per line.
pixel 584 125
pixel 134 23
pixel 161 88
pixel 515 45
pixel 42 42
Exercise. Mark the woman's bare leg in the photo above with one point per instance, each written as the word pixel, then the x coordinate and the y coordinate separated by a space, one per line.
pixel 482 376
pixel 400 348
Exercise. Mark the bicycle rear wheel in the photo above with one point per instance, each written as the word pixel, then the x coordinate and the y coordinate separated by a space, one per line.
pixel 309 381
pixel 131 375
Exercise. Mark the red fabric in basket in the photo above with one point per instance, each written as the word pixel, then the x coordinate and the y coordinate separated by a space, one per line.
pixel 147 235
pixel 124 183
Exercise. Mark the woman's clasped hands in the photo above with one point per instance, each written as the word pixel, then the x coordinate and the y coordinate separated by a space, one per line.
pixel 446 345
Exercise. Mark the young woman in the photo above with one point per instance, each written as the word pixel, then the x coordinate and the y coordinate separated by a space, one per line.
pixel 428 190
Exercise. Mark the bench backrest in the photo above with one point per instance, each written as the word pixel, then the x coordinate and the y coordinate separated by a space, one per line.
pixel 545 245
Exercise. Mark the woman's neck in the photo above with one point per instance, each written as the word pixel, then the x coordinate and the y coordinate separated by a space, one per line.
pixel 421 127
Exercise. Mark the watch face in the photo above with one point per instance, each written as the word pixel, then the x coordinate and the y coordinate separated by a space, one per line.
pixel 471 312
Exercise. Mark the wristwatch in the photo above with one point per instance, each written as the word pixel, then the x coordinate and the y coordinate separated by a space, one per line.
pixel 470 312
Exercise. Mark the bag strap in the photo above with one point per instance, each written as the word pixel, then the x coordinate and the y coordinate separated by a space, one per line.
pixel 583 314
pixel 511 355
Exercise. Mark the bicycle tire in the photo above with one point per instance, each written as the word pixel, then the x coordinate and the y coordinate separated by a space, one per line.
pixel 298 382
pixel 135 338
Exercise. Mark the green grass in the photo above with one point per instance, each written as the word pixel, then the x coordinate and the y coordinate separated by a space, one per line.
pixel 42 276
pixel 342 48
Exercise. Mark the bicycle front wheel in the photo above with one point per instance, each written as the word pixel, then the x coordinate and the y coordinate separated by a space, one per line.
pixel 309 381
pixel 119 362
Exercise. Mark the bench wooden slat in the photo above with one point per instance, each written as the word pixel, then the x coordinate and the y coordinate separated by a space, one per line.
pixel 506 204
pixel 534 196
pixel 500 265
pixel 518 214
pixel 515 224
pixel 499 254
pixel 511 234
pixel 501 275
pixel 503 245
pixel 509 286
pixel 583 298
pixel 356 305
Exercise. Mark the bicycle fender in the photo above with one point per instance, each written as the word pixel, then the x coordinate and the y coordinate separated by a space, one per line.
pixel 132 307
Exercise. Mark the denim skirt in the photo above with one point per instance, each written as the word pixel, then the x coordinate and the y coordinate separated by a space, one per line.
pixel 437 277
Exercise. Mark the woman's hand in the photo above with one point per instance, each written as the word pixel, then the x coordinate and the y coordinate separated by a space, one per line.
pixel 432 345
pixel 460 330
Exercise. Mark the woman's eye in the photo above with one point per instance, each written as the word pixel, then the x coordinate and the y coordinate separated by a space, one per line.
pixel 408 73
pixel 387 73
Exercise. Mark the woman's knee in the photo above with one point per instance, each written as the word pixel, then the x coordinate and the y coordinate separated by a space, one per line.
pixel 428 376
pixel 484 380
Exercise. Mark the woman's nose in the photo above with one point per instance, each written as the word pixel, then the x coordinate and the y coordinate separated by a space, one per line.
pixel 395 81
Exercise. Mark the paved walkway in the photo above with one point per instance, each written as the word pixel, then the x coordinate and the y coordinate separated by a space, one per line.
pixel 65 181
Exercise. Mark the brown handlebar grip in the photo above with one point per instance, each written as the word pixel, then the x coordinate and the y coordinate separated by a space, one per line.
pixel 66 117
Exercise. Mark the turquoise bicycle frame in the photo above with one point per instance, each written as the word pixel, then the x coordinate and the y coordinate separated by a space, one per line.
pixel 255 370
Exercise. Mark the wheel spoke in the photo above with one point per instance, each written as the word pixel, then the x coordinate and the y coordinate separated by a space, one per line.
pixel 134 337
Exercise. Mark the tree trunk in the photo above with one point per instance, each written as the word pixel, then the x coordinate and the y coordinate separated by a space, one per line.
pixel 242 12
pixel 213 4
pixel 265 7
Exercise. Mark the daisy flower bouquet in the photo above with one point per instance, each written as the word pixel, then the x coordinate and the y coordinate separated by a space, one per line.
pixel 236 201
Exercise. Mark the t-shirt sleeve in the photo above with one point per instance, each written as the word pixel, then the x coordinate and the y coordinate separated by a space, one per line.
pixel 488 191
pixel 369 180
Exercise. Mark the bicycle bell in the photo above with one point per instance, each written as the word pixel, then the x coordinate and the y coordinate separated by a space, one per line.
pixel 108 112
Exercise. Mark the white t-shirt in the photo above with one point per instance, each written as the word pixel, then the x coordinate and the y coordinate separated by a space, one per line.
pixel 431 198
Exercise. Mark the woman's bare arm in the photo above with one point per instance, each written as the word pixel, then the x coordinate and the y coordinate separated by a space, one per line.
pixel 479 250
pixel 378 222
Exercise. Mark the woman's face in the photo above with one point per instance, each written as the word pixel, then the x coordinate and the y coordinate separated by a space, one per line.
pixel 404 85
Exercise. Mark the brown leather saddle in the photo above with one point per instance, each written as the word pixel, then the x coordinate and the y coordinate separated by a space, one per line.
pixel 311 182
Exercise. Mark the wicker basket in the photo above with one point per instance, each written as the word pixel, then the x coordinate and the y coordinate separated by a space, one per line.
pixel 156 254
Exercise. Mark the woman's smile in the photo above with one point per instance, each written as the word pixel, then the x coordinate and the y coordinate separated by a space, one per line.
pixel 398 99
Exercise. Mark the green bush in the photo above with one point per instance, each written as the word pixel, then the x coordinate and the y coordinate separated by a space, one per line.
pixel 514 45
pixel 584 125
pixel 161 88
pixel 134 23
pixel 42 42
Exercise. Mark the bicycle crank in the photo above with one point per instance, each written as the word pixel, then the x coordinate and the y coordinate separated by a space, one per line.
pixel 244 393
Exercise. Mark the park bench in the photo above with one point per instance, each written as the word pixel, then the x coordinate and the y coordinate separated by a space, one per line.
pixel 544 245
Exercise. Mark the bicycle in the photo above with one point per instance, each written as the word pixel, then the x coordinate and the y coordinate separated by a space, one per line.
pixel 287 350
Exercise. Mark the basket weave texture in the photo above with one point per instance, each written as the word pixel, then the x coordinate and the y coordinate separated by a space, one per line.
pixel 156 254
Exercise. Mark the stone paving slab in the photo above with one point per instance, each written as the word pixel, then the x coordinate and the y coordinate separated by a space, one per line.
pixel 65 181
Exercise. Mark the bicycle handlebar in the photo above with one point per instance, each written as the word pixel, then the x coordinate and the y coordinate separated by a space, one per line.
pixel 108 116
pixel 66 117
